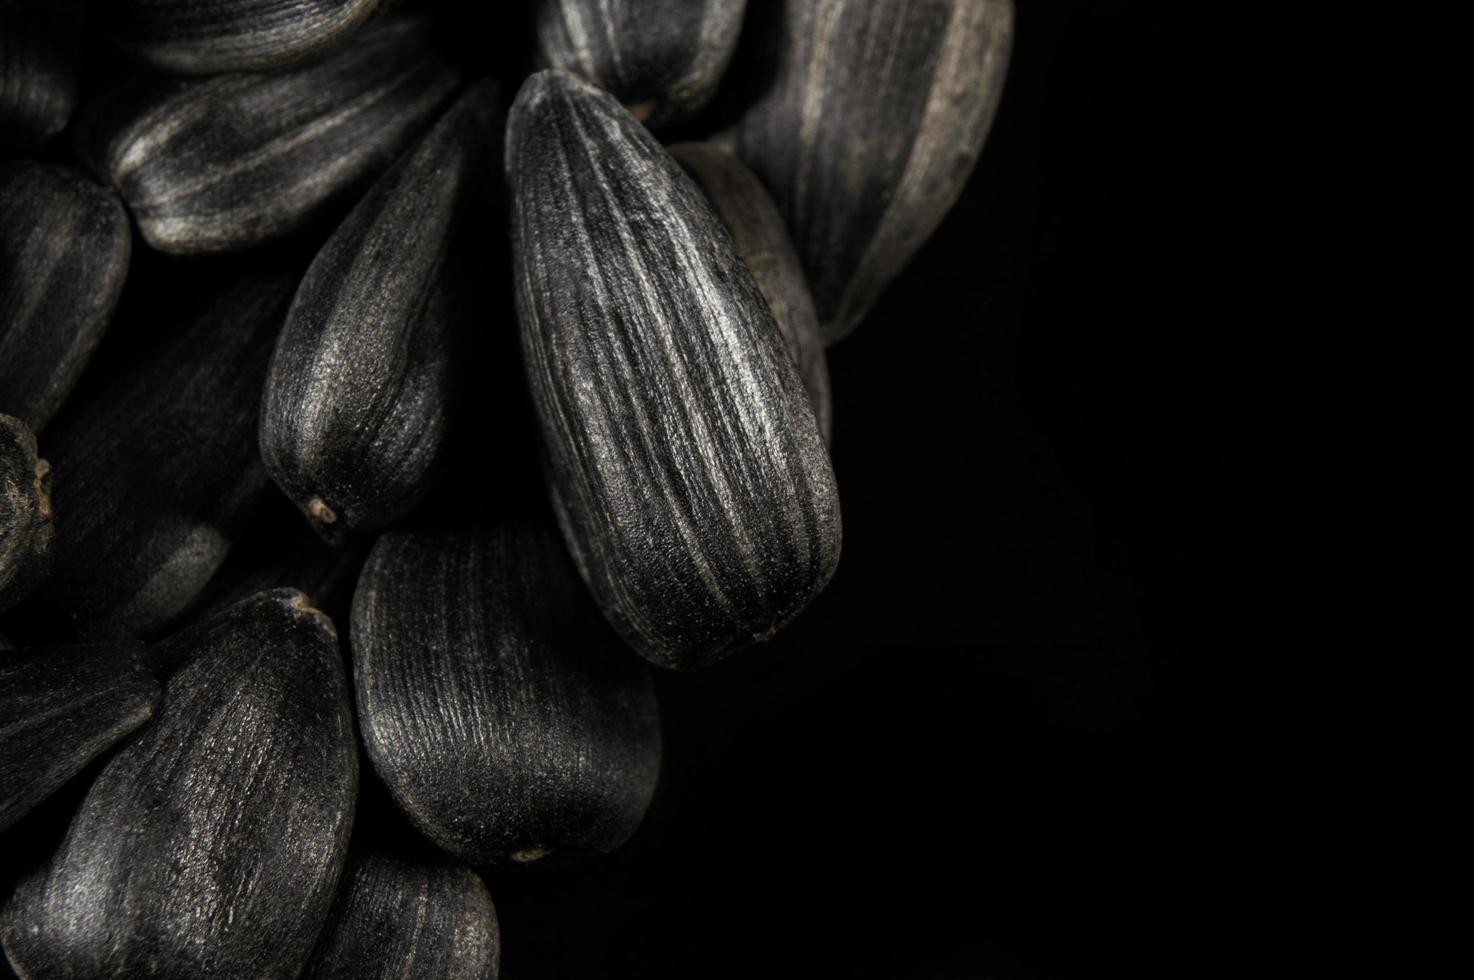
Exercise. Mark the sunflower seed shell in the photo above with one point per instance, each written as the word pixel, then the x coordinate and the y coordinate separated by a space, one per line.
pixel 62 707
pixel 871 118
pixel 359 395
pixel 762 242
pixel 212 36
pixel 494 703
pixel 64 249
pixel 690 476
pixel 212 844
pixel 40 47
pixel 232 161
pixel 398 918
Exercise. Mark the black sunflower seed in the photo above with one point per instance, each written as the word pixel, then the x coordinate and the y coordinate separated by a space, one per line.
pixel 210 36
pixel 212 844
pixel 495 704
pixel 870 119
pixel 762 241
pixel 232 161
pixel 690 475
pixel 661 58
pixel 399 918
pixel 159 469
pixel 60 708
pixel 40 47
pixel 360 393
pixel 26 531
pixel 64 249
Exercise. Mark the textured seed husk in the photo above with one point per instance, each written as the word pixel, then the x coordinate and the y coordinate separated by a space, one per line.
pixel 26 513
pixel 757 229
pixel 399 918
pixel 64 249
pixel 60 708
pixel 690 476
pixel 212 36
pixel 212 844
pixel 160 469
pixel 871 118
pixel 362 386
pixel 40 50
pixel 225 163
pixel 495 704
pixel 662 58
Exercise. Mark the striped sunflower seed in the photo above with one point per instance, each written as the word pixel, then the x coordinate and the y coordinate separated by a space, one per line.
pixel 161 468
pixel 26 529
pixel 662 58
pixel 358 398
pixel 40 49
pixel 64 250
pixel 690 476
pixel 494 703
pixel 229 162
pixel 211 36
pixel 398 918
pixel 212 844
pixel 870 120
pixel 762 242
pixel 63 707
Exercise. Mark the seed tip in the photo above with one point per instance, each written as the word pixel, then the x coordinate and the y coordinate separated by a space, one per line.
pixel 320 511
pixel 529 854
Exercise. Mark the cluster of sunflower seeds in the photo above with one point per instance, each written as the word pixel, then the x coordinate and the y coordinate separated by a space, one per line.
pixel 343 233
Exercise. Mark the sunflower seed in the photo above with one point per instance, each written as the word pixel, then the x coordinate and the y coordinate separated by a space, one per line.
pixel 762 242
pixel 357 401
pixel 40 47
pixel 494 703
pixel 26 530
pixel 691 478
pixel 399 918
pixel 210 36
pixel 64 249
pixel 870 120
pixel 661 58
pixel 236 160
pixel 212 844
pixel 61 708
pixel 159 469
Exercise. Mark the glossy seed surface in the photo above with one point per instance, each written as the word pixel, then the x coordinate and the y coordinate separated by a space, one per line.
pixel 40 50
pixel 26 513
pixel 494 702
pixel 60 708
pixel 691 478
pixel 401 918
pixel 869 121
pixel 212 36
pixel 161 468
pixel 65 243
pixel 359 398
pixel 225 163
pixel 662 58
pixel 212 844
pixel 757 229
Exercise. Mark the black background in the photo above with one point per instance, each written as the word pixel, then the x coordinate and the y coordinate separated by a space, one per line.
pixel 1027 730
